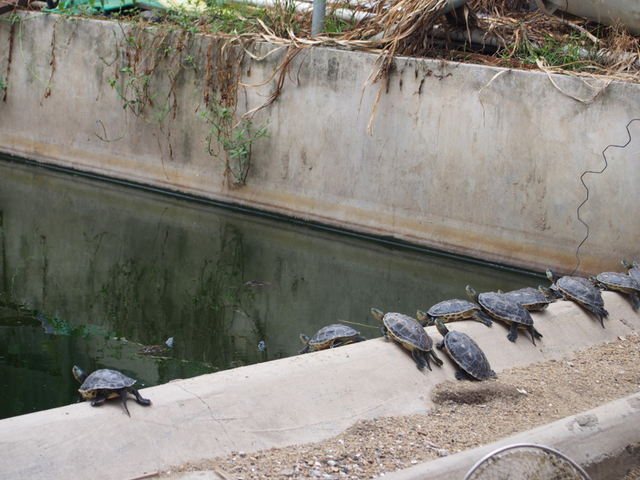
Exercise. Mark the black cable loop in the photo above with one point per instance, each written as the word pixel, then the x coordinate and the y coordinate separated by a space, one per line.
pixel 606 164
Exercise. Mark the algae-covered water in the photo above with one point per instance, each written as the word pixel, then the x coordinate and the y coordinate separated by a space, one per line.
pixel 91 271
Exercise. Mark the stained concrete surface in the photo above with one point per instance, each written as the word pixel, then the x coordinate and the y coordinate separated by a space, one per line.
pixel 291 401
pixel 473 160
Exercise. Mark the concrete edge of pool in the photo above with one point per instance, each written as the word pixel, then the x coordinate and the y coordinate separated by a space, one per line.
pixel 295 400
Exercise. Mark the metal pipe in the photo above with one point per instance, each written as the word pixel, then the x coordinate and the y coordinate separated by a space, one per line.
pixel 317 23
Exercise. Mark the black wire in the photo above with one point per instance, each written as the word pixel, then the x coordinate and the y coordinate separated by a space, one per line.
pixel 606 164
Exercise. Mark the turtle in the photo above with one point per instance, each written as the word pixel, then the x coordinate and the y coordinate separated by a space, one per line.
pixel 158 350
pixel 581 291
pixel 465 352
pixel 105 384
pixel 620 282
pixel 507 310
pixel 633 270
pixel 531 299
pixel 330 337
pixel 452 310
pixel 408 332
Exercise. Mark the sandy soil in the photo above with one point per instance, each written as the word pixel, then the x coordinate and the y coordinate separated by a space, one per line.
pixel 466 415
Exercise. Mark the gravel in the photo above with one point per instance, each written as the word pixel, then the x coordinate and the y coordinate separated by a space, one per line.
pixel 466 415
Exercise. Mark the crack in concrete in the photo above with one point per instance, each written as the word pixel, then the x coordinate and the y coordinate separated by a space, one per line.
pixel 211 412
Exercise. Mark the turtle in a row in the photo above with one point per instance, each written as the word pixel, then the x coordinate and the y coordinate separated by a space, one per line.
pixel 465 352
pixel 506 310
pixel 453 310
pixel 410 334
pixel 330 337
pixel 105 384
pixel 530 298
pixel 619 282
pixel 581 291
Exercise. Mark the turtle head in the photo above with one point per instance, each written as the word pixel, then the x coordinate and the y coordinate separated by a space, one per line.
pixel 627 265
pixel 79 374
pixel 441 327
pixel 552 276
pixel 424 318
pixel 547 291
pixel 379 314
pixel 304 339
pixel 473 295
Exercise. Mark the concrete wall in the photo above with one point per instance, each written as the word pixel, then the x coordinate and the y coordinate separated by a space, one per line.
pixel 459 159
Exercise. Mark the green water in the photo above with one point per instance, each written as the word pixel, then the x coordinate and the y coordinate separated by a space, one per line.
pixel 91 271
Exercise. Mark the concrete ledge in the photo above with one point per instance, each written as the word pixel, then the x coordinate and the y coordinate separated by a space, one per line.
pixel 291 401
pixel 605 441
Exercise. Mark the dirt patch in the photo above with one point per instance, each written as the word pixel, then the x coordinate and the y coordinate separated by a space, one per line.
pixel 466 415
pixel 474 393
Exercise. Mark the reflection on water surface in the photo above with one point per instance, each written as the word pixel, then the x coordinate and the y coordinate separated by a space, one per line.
pixel 90 272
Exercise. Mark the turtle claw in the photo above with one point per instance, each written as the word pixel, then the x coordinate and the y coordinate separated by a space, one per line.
pixel 513 333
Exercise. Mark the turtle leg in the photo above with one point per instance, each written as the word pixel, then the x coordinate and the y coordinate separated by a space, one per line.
pixel 513 333
pixel 635 300
pixel 601 312
pixel 385 334
pixel 420 360
pixel 123 393
pixel 435 357
pixel 462 375
pixel 139 399
pixel 482 318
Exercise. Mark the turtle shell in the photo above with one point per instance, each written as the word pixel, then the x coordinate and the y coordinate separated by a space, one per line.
pixel 105 379
pixel 503 308
pixel 530 298
pixel 327 335
pixel 453 309
pixel 407 330
pixel 468 355
pixel 580 290
pixel 618 281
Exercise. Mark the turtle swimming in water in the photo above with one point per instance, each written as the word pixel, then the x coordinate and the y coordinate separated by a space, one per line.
pixel 620 282
pixel 158 350
pixel 330 337
pixel 452 310
pixel 466 353
pixel 531 299
pixel 408 332
pixel 506 310
pixel 105 384
pixel 581 291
